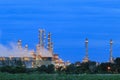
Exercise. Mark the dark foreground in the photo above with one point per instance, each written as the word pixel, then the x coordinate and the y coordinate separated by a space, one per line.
pixel 6 76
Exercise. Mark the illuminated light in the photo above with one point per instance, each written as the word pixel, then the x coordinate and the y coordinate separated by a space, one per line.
pixel 108 68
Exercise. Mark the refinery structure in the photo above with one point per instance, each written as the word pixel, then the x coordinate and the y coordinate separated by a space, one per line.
pixel 43 55
pixel 86 58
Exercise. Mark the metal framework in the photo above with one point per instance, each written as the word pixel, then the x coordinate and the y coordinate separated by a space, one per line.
pixel 111 52
pixel 86 59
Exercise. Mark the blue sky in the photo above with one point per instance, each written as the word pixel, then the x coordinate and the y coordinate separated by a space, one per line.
pixel 69 21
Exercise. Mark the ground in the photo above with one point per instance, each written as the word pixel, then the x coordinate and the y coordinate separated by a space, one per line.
pixel 6 76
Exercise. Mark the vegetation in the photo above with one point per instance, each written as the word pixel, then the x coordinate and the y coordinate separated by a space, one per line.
pixel 76 68
pixel 6 76
pixel 50 69
pixel 76 71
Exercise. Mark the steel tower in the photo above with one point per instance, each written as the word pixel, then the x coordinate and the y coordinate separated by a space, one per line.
pixel 86 59
pixel 111 52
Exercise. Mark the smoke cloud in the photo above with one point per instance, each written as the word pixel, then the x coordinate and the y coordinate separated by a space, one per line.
pixel 45 53
pixel 13 51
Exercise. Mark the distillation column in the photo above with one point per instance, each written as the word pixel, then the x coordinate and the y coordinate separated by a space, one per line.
pixel 26 48
pixel 41 45
pixel 50 44
pixel 42 37
pixel 20 44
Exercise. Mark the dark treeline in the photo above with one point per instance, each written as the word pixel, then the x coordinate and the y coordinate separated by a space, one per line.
pixel 90 67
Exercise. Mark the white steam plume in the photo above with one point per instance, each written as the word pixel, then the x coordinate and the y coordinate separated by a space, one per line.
pixel 13 50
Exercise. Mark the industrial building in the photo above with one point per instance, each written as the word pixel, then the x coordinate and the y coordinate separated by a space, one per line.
pixel 43 54
pixel 33 59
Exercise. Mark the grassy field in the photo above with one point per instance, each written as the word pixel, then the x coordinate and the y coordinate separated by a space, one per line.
pixel 6 76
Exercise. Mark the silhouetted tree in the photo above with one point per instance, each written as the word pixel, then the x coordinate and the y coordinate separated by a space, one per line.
pixel 71 69
pixel 19 63
pixel 42 69
pixel 92 67
pixel 85 67
pixel 60 70
pixel 50 69
pixel 117 63
pixel 77 63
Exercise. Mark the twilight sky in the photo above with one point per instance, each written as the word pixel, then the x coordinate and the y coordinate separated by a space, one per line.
pixel 69 21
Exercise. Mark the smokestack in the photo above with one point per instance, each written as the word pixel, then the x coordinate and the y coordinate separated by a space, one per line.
pixel 111 57
pixel 19 44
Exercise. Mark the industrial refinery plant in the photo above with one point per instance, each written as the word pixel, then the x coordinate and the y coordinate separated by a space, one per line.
pixel 43 54
pixel 33 59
